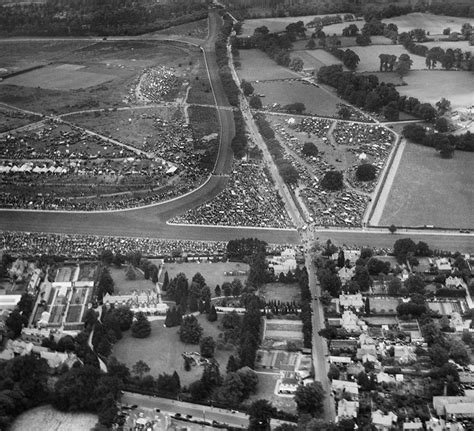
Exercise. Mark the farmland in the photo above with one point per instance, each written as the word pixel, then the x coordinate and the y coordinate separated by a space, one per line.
pixel 430 190
pixel 167 360
pixel 431 85
pixel 316 100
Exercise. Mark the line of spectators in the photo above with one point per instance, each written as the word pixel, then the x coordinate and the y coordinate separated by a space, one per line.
pixel 250 199
pixel 89 246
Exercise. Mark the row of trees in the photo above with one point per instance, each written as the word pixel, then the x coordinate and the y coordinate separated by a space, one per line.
pixel 88 17
pixel 365 91
pixel 306 314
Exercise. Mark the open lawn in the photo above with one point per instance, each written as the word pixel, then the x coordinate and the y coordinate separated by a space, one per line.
pixel 280 291
pixel 163 350
pixel 432 85
pixel 131 126
pixel 48 418
pixel 316 100
pixel 122 286
pixel 430 190
pixel 369 56
pixel 213 273
pixel 99 75
pixel 258 66
pixel 434 24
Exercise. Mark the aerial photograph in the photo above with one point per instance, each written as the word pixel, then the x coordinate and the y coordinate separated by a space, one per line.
pixel 236 215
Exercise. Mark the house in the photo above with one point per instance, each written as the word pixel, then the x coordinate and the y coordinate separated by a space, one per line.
pixel 367 350
pixel 455 282
pixel 346 387
pixel 383 377
pixel 8 302
pixel 383 422
pixel 347 409
pixel 346 274
pixel 289 383
pixel 283 263
pixel 404 354
pixel 355 301
pixel 351 323
pixel 443 265
pixel 446 406
pixel 415 425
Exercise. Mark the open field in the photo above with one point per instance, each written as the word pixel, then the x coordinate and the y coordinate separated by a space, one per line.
pixel 256 65
pixel 314 59
pixel 203 120
pixel 196 29
pixel 369 56
pixel 213 273
pixel 122 286
pixel 101 75
pixel 12 119
pixel 48 418
pixel 433 24
pixel 167 360
pixel 131 126
pixel 427 189
pixel 431 85
pixel 18 55
pixel 316 100
pixel 280 291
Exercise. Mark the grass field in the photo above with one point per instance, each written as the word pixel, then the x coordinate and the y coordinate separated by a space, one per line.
pixel 316 100
pixel 258 66
pixel 125 287
pixel 434 24
pixel 101 75
pixel 213 273
pixel 462 45
pixel 203 120
pixel 196 29
pixel 280 291
pixel 48 418
pixel 431 85
pixel 430 190
pixel 314 59
pixel 162 350
pixel 130 126
pixel 12 119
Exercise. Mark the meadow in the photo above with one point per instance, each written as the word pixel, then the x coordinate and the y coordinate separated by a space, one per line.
pixel 427 189
pixel 258 66
pixel 316 100
pixel 433 24
pixel 432 85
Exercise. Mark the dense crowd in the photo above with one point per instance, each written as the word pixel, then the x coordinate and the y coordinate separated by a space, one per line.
pixel 314 126
pixel 90 246
pixel 154 84
pixel 250 199
pixel 62 167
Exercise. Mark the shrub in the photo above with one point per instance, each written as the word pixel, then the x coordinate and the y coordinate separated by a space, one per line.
pixel 366 172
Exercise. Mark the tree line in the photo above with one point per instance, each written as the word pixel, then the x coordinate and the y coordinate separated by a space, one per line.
pixel 89 17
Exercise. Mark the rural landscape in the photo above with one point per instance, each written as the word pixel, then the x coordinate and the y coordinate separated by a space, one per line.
pixel 237 214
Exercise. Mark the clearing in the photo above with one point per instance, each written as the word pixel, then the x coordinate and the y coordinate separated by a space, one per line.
pixel 433 24
pixel 432 85
pixel 163 350
pixel 430 190
pixel 316 100
pixel 213 273
pixel 256 65
pixel 48 418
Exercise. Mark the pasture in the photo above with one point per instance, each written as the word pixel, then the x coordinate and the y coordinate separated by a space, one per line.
pixel 314 59
pixel 369 56
pixel 48 418
pixel 433 24
pixel 213 273
pixel 432 85
pixel 129 350
pixel 316 100
pixel 427 188
pixel 258 66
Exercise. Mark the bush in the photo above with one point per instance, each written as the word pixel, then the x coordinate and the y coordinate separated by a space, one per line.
pixel 333 180
pixel 141 327
pixel 366 172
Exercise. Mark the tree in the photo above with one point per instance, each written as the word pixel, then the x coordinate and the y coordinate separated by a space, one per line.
pixel 212 315
pixel 255 102
pixel 207 345
pixel 334 372
pixel 366 172
pixel 458 352
pixel 236 287
pixel 415 284
pixel 443 105
pixel 362 277
pixel 105 284
pixel 296 64
pixel 363 40
pixel 14 324
pixel 141 327
pixel 190 331
pixel 402 248
pixel 311 44
pixel 332 180
pixel 392 228
pixel 394 286
pixel 260 413
pixel 250 380
pixel 309 399
pixel 130 274
pixel 403 65
pixel 231 392
pixel 125 317
pixel 247 88
pixel 288 172
pixel 466 30
pixel 344 112
pixel 232 364
pixel 309 149
pixel 198 390
pixel 258 269
pixel 218 291
pixel 211 376
pixel 140 368
pixel 350 59
pixel 391 111
pixel 106 256
pixel 350 30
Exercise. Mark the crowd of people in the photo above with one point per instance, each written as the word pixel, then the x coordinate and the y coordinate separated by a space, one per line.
pixel 250 199
pixel 153 85
pixel 62 167
pixel 90 246
pixel 314 126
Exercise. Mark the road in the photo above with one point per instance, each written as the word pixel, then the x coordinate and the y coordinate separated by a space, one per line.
pixel 197 411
